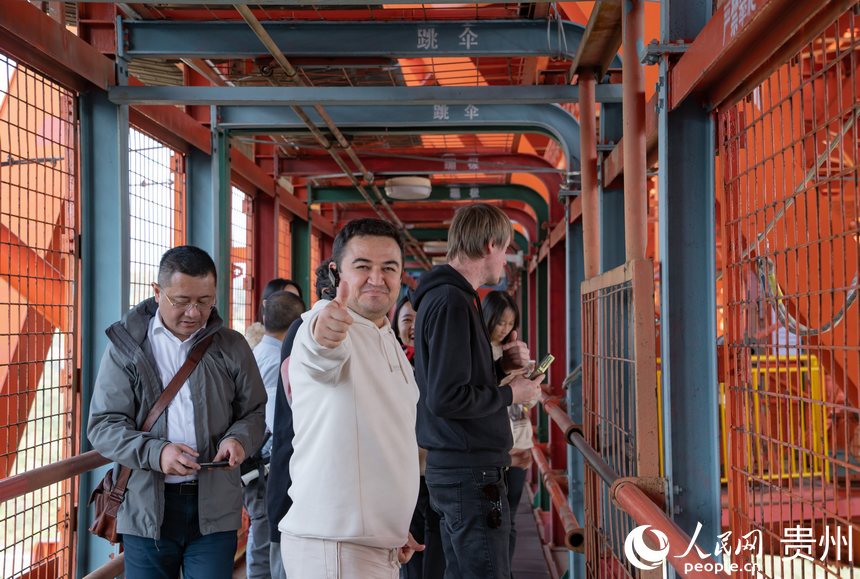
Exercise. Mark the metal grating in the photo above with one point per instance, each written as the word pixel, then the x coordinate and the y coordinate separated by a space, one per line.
pixel 789 153
pixel 619 405
pixel 156 187
pixel 284 245
pixel 38 331
pixel 241 261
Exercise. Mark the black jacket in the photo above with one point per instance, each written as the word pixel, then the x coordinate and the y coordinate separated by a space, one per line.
pixel 462 414
pixel 278 502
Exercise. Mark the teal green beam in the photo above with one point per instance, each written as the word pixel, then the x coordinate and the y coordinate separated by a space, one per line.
pixel 612 250
pixel 449 193
pixel 691 429
pixel 222 190
pixel 300 264
pixel 548 119
pixel 105 273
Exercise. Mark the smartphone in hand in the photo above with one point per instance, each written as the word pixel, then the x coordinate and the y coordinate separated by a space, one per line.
pixel 542 367
pixel 218 464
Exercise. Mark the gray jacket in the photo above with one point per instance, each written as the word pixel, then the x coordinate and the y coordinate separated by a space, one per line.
pixel 229 401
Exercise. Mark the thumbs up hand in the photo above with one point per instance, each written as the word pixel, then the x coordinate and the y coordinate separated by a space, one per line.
pixel 332 324
pixel 515 354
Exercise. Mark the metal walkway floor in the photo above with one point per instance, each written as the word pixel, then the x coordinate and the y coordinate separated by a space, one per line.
pixel 528 561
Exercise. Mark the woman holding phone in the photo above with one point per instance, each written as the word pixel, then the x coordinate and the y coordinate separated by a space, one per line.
pixel 502 317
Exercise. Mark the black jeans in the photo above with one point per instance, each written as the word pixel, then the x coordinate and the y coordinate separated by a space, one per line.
pixel 475 520
pixel 429 563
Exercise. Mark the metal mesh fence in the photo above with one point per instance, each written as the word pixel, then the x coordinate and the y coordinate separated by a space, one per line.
pixel 156 186
pixel 789 185
pixel 38 333
pixel 619 405
pixel 241 260
pixel 284 245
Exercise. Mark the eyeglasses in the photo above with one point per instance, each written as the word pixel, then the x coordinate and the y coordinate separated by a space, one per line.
pixel 202 307
pixel 494 517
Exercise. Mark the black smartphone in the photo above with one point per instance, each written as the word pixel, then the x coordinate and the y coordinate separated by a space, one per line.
pixel 218 464
pixel 333 278
pixel 542 367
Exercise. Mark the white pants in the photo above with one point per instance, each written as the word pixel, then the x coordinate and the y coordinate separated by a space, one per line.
pixel 321 559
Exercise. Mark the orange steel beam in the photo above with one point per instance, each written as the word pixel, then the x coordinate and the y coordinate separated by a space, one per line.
pixel 728 58
pixel 588 168
pixel 22 381
pixel 613 164
pixel 29 35
pixel 633 104
pixel 34 278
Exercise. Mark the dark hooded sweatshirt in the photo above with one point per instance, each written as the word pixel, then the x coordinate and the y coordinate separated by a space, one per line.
pixel 462 413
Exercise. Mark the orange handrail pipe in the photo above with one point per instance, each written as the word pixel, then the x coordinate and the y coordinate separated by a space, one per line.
pixel 574 536
pixel 629 497
pixel 21 484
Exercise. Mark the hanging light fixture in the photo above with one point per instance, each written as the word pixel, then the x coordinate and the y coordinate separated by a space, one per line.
pixel 408 188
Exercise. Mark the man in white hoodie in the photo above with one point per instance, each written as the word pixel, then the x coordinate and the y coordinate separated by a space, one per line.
pixel 355 464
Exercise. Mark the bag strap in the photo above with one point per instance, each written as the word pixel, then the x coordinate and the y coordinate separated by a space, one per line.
pixel 163 402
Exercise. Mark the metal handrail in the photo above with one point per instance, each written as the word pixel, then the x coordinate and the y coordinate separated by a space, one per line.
pixel 33 480
pixel 625 493
pixel 109 570
pixel 574 535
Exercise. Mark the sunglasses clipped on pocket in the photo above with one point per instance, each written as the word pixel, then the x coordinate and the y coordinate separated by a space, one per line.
pixel 494 517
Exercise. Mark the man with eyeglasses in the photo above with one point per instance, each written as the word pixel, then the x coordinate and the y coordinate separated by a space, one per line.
pixel 176 514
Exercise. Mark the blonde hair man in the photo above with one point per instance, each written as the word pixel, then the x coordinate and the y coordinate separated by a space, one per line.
pixel 462 413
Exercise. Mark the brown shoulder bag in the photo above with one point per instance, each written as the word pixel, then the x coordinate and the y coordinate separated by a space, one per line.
pixel 109 494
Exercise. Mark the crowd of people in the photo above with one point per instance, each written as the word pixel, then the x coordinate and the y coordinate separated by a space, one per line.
pixel 362 443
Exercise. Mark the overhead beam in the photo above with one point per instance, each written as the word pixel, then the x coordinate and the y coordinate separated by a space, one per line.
pixel 599 49
pixel 394 165
pixel 330 96
pixel 29 35
pixel 548 119
pixel 732 55
pixel 467 192
pixel 416 39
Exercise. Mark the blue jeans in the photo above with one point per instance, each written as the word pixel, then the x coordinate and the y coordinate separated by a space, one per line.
pixel 181 546
pixel 475 520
